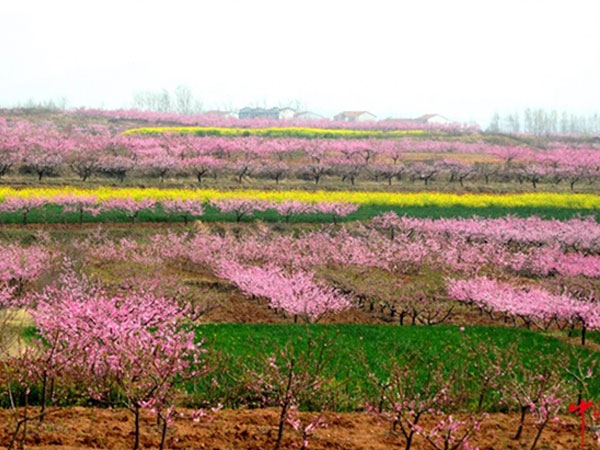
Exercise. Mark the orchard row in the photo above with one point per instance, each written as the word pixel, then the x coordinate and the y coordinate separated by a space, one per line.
pixel 96 150
pixel 406 269
pixel 89 206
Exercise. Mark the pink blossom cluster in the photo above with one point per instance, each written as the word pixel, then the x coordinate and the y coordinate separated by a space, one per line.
pixel 130 343
pixel 548 261
pixel 242 207
pixel 129 206
pixel 336 210
pixel 577 234
pixel 22 205
pixel 296 293
pixel 19 267
pixel 451 432
pixel 79 204
pixel 183 208
pixel 530 302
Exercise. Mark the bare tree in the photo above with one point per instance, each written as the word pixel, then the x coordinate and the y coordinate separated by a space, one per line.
pixel 494 126
pixel 183 99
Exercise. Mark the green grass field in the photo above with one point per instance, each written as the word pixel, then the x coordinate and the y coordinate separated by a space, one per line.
pixel 53 214
pixel 244 345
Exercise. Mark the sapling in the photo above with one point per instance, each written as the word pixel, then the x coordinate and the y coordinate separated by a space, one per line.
pixel 304 429
pixel 128 206
pixel 240 207
pixel 491 365
pixel 183 208
pixel 451 433
pixel 539 390
pixel 290 373
pixel 414 387
pixel 22 205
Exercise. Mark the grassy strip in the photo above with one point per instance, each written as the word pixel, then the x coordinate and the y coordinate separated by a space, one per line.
pixel 276 132
pixel 53 214
pixel 243 344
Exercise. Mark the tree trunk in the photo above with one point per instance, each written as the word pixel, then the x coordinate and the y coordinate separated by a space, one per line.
pixel 521 422
pixel 409 440
pixel 163 434
pixel 281 425
pixel 136 414
pixel 537 436
pixel 43 399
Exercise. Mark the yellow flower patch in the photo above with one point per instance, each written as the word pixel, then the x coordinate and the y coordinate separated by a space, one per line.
pixel 398 199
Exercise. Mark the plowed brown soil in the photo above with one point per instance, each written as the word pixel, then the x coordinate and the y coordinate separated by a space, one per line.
pixel 89 428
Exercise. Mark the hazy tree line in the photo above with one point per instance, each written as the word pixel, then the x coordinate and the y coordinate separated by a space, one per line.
pixel 42 105
pixel 542 122
pixel 181 101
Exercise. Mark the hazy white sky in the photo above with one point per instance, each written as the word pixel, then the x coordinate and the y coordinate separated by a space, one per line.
pixel 462 58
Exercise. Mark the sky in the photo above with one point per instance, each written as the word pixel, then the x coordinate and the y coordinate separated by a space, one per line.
pixel 464 59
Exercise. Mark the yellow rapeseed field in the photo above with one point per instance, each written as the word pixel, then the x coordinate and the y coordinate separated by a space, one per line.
pixel 542 199
pixel 299 132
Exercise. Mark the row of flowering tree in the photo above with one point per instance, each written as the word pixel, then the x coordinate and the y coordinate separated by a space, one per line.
pixel 416 388
pixel 366 266
pixel 532 305
pixel 184 209
pixel 46 151
pixel 297 293
pixel 367 247
pixel 577 234
pixel 285 209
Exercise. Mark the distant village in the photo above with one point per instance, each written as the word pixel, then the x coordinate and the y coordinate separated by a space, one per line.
pixel 346 116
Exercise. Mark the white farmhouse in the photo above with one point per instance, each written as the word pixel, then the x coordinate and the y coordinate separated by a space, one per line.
pixel 355 116
pixel 224 114
pixel 434 118
pixel 286 113
pixel 307 115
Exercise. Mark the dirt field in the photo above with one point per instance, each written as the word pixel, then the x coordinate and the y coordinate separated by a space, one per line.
pixel 87 428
